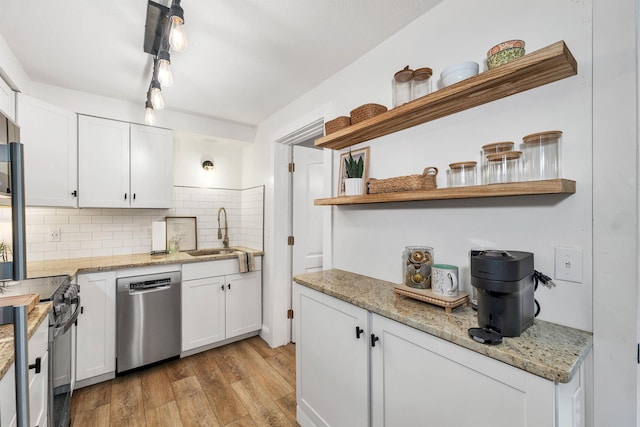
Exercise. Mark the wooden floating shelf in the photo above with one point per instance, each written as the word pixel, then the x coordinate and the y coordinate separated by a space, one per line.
pixel 547 65
pixel 526 188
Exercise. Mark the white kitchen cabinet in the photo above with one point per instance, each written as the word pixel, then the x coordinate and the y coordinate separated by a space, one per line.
pixel 123 165
pixel 38 390
pixel 218 303
pixel 7 100
pixel 332 361
pixel 96 331
pixel 415 378
pixel 50 137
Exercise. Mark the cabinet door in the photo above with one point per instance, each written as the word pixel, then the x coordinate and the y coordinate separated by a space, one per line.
pixel 418 379
pixel 103 163
pixel 96 333
pixel 50 138
pixel 202 312
pixel 8 398
pixel 7 100
pixel 244 303
pixel 332 364
pixel 151 167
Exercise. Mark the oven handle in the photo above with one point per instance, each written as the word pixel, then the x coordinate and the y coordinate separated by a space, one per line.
pixel 62 329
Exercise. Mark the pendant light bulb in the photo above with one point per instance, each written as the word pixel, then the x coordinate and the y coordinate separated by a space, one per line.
pixel 149 115
pixel 165 78
pixel 177 37
pixel 156 96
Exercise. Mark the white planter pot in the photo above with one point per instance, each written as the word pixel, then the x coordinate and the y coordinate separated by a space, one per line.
pixel 353 187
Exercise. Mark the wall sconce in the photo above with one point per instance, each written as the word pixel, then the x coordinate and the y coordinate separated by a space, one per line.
pixel 207 165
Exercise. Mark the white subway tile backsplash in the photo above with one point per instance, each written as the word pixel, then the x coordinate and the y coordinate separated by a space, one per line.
pixel 106 232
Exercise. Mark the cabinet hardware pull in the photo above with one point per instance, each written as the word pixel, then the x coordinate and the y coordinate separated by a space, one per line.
pixel 229 286
pixel 134 196
pixel 74 193
pixel 374 338
pixel 125 196
pixel 359 330
pixel 222 287
pixel 37 366
pixel 81 309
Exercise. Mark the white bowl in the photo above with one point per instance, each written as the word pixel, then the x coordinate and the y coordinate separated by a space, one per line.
pixel 458 72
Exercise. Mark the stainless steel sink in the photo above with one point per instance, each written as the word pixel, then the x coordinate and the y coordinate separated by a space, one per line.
pixel 205 252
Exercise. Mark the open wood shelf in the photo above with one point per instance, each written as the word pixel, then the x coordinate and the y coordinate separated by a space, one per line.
pixel 550 186
pixel 547 65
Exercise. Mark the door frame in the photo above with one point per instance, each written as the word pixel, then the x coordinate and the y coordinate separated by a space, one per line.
pixel 298 131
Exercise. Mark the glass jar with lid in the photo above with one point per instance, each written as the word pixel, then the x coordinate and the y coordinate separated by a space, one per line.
pixel 541 155
pixel 462 174
pixel 402 86
pixel 503 167
pixel 493 148
pixel 421 83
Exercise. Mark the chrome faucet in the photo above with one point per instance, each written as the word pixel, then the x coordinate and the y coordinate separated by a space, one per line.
pixel 225 241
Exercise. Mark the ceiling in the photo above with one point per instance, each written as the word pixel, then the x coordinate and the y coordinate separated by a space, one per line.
pixel 245 60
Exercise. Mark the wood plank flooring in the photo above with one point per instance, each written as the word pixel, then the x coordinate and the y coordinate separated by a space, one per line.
pixel 243 384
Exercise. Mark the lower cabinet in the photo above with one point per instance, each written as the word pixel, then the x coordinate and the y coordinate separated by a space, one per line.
pixel 38 391
pixel 218 303
pixel 413 378
pixel 96 332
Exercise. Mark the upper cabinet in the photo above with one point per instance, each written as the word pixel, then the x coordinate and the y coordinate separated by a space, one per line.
pixel 123 165
pixel 49 135
pixel 7 100
pixel 547 65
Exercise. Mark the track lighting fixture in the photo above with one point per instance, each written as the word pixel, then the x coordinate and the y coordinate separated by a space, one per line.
pixel 177 37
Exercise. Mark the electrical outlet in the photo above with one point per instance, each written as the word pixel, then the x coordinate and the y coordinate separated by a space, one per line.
pixel 569 264
pixel 54 234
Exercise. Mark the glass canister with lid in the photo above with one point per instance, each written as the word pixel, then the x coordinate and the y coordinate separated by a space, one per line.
pixel 421 83
pixel 462 174
pixel 487 150
pixel 541 155
pixel 402 86
pixel 503 167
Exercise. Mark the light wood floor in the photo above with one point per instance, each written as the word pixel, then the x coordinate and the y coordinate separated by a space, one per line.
pixel 240 384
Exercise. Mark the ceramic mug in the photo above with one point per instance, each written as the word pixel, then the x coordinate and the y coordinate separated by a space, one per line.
pixel 444 280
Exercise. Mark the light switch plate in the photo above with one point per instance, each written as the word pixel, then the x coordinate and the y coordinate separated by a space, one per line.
pixel 568 264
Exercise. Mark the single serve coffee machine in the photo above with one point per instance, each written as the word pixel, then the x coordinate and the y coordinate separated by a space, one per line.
pixel 504 283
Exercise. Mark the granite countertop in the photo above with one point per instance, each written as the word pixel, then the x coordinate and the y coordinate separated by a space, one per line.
pixel 93 264
pixel 548 350
pixel 34 319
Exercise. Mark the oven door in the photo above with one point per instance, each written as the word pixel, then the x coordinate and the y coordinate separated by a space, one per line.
pixel 61 368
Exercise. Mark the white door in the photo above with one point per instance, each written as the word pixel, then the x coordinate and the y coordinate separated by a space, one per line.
pixel 307 218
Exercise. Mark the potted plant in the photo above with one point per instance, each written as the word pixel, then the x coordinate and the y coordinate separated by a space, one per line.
pixel 354 170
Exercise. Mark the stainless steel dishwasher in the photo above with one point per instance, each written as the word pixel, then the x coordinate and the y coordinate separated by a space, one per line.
pixel 148 325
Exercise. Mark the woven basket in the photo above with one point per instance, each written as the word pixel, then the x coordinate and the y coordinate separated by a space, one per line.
pixel 365 112
pixel 426 181
pixel 337 124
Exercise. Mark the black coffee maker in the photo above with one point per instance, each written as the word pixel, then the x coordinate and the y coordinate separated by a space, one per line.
pixel 504 283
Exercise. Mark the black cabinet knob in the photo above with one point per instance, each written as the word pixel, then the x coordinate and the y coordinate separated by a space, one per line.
pixel 374 338
pixel 37 366
pixel 74 193
pixel 359 331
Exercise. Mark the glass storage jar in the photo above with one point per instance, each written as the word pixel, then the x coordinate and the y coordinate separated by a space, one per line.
pixel 541 155
pixel 402 86
pixel 462 174
pixel 421 83
pixel 503 167
pixel 488 149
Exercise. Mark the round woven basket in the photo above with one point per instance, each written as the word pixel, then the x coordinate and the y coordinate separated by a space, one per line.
pixel 365 112
pixel 337 124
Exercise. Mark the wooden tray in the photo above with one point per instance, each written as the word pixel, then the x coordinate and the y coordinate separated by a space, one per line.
pixel 427 295
pixel 30 300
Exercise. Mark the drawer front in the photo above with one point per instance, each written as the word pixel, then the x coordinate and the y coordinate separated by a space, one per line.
pixel 200 270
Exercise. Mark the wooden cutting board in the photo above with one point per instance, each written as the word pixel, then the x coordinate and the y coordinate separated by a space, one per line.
pixel 30 300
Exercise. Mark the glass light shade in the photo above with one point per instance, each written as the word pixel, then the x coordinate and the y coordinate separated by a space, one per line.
pixel 177 37
pixel 149 116
pixel 156 98
pixel 164 73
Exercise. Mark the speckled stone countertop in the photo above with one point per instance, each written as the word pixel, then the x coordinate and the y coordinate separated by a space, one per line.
pixel 545 349
pixel 34 319
pixel 88 265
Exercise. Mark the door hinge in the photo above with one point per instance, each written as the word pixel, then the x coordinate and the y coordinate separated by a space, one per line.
pixel 290 314
pixel 292 167
pixel 290 240
pixel 638 354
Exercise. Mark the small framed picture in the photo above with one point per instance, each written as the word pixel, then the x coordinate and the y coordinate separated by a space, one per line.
pixel 185 229
pixel 357 154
